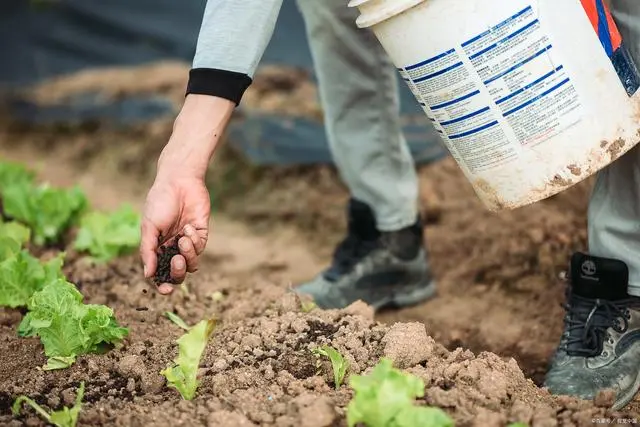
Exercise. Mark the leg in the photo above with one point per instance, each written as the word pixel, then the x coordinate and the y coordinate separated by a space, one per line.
pixel 600 347
pixel 381 261
pixel 359 93
pixel 614 210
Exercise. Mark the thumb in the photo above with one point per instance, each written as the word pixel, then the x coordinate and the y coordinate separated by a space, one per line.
pixel 149 247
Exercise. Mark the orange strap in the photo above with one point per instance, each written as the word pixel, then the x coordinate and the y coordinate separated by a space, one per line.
pixel 591 7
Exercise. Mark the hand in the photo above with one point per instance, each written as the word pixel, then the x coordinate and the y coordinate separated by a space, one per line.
pixel 178 202
pixel 174 207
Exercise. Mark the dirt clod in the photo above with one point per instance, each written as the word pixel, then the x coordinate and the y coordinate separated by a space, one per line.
pixel 315 411
pixel 407 344
pixel 226 418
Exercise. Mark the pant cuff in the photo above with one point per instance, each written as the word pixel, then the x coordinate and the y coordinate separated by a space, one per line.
pixel 398 222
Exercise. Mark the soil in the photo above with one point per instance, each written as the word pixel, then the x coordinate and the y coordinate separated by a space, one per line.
pixel 482 346
pixel 166 253
pixel 259 368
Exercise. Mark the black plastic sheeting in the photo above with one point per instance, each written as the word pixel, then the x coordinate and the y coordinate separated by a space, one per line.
pixel 40 39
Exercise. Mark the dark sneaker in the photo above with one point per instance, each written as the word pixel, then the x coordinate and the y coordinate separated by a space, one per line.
pixel 381 269
pixel 600 346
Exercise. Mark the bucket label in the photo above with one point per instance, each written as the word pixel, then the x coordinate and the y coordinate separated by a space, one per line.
pixel 612 42
pixel 501 86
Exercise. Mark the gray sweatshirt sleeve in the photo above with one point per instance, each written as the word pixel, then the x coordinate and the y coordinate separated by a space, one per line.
pixel 233 37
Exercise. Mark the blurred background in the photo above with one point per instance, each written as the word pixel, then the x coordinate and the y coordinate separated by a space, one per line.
pixel 44 39
pixel 88 94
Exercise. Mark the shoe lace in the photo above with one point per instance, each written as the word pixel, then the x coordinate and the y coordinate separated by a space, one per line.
pixel 587 321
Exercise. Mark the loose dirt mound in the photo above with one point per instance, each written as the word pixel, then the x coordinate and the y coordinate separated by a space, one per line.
pixel 259 368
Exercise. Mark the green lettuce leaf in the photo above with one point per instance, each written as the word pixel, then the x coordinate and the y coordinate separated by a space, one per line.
pixel 21 275
pixel 12 174
pixel 13 236
pixel 108 236
pixel 412 416
pixel 338 363
pixel 177 320
pixel 48 211
pixel 68 328
pixel 183 375
pixel 385 398
pixel 66 417
pixel 59 362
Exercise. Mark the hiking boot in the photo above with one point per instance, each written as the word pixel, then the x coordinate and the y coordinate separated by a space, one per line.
pixel 600 346
pixel 379 268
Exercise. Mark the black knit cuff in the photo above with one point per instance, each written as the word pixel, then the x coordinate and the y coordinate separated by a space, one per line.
pixel 224 84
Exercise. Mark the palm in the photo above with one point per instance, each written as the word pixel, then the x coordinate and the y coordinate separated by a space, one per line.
pixel 175 208
pixel 171 207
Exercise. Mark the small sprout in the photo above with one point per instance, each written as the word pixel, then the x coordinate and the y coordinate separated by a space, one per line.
pixel 338 363
pixel 217 296
pixel 308 306
pixel 67 417
pixel 520 424
pixel 183 374
pixel 177 320
pixel 305 306
pixel 184 288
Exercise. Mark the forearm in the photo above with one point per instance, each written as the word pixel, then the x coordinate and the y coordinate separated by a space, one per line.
pixel 196 134
pixel 233 37
pixel 232 40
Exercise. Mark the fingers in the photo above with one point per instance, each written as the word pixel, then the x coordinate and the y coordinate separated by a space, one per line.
pixel 198 238
pixel 188 251
pixel 178 274
pixel 165 289
pixel 191 245
pixel 178 269
pixel 148 247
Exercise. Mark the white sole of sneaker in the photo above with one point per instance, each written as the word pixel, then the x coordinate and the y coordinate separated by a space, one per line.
pixel 419 295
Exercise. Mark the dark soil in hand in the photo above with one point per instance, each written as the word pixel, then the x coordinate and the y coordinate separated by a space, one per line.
pixel 163 272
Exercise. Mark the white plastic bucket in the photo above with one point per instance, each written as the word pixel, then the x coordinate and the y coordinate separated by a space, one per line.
pixel 530 97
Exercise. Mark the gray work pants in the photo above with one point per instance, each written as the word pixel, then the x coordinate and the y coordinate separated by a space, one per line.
pixel 358 91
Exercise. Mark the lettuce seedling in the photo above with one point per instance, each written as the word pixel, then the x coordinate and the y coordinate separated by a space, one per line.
pixel 13 236
pixel 338 363
pixel 48 211
pixel 385 398
pixel 21 275
pixel 12 174
pixel 66 417
pixel 183 374
pixel 308 306
pixel 108 236
pixel 68 328
pixel 177 320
